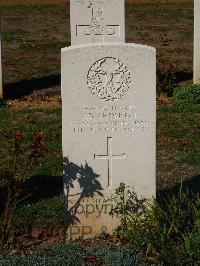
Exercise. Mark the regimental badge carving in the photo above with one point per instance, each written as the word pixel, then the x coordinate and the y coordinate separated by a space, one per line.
pixel 109 79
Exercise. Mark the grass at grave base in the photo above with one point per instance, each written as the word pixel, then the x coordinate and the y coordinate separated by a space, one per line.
pixel 178 153
pixel 165 230
pixel 169 232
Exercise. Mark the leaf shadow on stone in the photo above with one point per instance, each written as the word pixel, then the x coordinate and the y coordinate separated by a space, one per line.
pixel 86 178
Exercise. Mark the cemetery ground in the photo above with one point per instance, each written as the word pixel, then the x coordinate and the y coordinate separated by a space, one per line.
pixel 32 38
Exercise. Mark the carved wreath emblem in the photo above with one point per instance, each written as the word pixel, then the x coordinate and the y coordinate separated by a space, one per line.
pixel 109 79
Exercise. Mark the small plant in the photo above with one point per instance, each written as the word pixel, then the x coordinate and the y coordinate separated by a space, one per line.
pixel 164 233
pixel 126 204
pixel 17 162
pixel 187 98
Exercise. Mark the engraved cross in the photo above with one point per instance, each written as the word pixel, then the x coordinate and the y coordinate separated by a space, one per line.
pixel 97 26
pixel 110 157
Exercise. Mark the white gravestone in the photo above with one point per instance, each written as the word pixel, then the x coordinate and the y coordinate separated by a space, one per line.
pixel 196 41
pixel 1 78
pixel 97 21
pixel 109 123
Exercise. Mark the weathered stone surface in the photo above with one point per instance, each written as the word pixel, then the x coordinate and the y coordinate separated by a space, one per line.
pixel 97 21
pixel 109 122
pixel 196 42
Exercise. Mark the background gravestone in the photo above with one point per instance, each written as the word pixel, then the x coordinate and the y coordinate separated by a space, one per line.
pixel 109 122
pixel 97 21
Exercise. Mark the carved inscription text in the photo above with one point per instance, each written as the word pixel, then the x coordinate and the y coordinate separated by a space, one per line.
pixel 96 26
pixel 108 119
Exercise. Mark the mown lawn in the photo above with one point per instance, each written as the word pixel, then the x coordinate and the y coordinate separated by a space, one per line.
pixel 34 34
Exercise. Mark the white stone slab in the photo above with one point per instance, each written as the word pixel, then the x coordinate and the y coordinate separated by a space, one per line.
pixel 1 78
pixel 97 21
pixel 109 123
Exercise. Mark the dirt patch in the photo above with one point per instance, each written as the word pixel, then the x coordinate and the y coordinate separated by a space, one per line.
pixel 38 100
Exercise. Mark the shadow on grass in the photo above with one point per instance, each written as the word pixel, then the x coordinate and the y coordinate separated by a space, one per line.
pixel 39 188
pixel 42 187
pixel 25 87
pixel 166 82
pixel 192 185
pixel 183 76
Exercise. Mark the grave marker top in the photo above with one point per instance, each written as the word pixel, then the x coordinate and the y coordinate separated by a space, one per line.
pixel 97 21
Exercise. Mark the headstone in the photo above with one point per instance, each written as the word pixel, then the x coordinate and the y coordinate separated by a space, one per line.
pixel 97 21
pixel 109 122
pixel 1 78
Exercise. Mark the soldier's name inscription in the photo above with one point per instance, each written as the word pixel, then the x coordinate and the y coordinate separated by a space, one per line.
pixel 114 118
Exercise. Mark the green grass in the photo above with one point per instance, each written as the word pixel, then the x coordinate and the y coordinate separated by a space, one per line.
pixel 30 122
pixel 187 98
pixel 47 209
pixel 191 158
pixel 179 135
